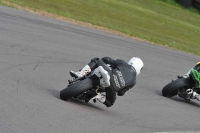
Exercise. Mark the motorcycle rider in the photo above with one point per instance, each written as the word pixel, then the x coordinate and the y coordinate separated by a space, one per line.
pixel 189 93
pixel 121 76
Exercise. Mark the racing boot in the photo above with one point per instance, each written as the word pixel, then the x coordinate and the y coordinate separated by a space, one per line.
pixel 81 73
pixel 195 96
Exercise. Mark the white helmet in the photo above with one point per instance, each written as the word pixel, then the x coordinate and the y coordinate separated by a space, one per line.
pixel 137 63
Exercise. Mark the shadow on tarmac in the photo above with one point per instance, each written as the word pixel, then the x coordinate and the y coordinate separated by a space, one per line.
pixel 178 99
pixel 78 102
pixel 56 94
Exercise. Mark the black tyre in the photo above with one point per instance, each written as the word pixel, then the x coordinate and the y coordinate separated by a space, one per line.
pixel 76 89
pixel 171 89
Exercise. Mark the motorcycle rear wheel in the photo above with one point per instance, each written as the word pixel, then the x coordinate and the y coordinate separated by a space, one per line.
pixel 76 89
pixel 171 89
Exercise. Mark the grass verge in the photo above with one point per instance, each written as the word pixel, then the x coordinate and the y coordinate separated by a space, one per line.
pixel 157 21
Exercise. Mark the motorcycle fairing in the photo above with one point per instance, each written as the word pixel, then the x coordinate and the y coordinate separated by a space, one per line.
pixel 196 77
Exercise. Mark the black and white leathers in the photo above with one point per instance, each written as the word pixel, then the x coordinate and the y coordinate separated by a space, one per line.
pixel 122 77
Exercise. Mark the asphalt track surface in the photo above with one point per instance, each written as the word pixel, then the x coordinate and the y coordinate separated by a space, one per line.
pixel 36 54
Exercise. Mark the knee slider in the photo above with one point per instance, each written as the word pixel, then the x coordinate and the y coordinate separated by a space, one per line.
pixel 121 93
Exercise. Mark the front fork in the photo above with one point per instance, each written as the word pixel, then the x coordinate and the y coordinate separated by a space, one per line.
pixel 196 77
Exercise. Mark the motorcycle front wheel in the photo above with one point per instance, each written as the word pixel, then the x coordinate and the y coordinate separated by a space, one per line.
pixel 171 89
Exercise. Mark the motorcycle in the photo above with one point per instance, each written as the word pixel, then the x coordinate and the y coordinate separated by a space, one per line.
pixel 89 87
pixel 180 86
